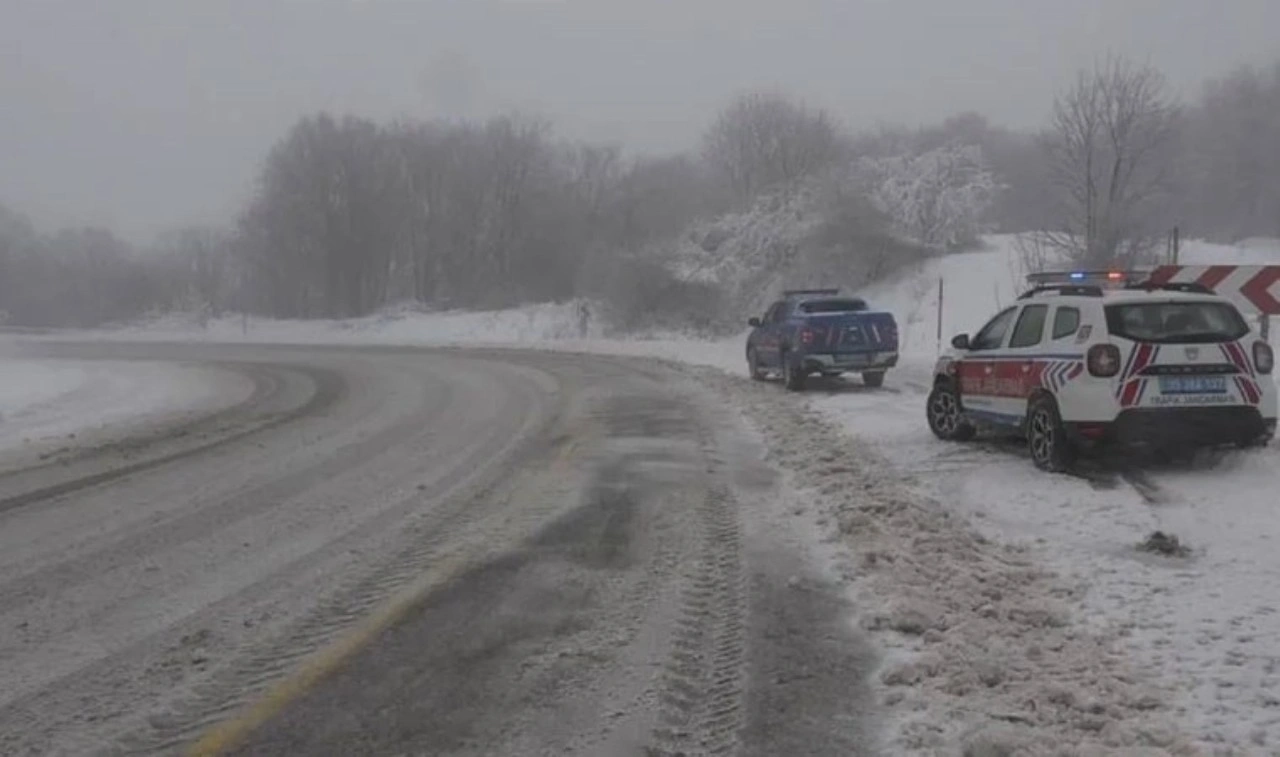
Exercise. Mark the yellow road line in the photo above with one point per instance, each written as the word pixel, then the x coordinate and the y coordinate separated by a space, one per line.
pixel 231 733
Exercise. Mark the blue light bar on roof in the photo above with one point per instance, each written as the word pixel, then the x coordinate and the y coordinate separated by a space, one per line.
pixel 1101 277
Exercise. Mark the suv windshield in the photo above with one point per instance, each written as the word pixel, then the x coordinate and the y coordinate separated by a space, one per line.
pixel 846 305
pixel 1176 322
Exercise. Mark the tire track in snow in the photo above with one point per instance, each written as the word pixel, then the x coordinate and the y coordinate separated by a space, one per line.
pixel 327 390
pixel 702 692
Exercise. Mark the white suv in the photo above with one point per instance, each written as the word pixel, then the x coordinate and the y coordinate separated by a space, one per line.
pixel 1076 365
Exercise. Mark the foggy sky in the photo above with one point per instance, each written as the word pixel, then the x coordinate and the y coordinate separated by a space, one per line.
pixel 141 115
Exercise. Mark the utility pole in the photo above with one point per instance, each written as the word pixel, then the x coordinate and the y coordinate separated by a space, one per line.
pixel 939 331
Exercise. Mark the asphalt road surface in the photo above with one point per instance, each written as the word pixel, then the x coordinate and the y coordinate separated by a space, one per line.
pixel 410 552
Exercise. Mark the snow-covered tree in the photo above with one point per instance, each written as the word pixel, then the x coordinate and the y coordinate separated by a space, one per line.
pixel 937 197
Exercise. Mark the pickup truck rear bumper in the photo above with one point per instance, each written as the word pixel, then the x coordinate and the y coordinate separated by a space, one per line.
pixel 849 361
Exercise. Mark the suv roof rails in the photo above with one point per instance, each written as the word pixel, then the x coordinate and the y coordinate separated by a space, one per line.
pixel 1190 287
pixel 1070 290
pixel 801 292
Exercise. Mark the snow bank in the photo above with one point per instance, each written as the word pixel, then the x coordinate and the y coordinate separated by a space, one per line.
pixel 1202 628
pixel 987 652
pixel 28 383
pixel 398 325
pixel 548 326
pixel 45 404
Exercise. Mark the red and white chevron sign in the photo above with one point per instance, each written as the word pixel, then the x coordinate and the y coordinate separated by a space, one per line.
pixel 1251 287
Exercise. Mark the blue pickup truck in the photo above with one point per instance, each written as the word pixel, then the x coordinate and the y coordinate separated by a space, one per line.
pixel 819 332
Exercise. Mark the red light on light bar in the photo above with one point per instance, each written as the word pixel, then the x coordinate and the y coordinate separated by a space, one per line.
pixel 1114 275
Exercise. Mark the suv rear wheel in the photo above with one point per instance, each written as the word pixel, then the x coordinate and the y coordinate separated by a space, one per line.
pixel 943 411
pixel 873 379
pixel 1047 440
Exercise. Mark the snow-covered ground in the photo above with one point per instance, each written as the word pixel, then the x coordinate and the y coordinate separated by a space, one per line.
pixel 48 404
pixel 1030 606
pixel 1206 626
pixel 549 326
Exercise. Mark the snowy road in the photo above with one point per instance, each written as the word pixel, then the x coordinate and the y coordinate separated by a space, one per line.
pixel 399 551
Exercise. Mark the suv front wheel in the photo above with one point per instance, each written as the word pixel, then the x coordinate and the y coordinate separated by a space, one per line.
pixel 1047 440
pixel 943 411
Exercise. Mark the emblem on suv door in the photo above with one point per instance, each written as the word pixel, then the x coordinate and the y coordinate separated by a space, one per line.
pixel 1193 353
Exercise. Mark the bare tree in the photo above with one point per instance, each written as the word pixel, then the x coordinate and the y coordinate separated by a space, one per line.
pixel 1230 182
pixel 327 220
pixel 1107 147
pixel 764 139
pixel 16 237
pixel 200 257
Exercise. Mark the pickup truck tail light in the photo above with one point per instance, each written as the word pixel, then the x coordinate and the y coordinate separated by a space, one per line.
pixel 1264 359
pixel 1103 360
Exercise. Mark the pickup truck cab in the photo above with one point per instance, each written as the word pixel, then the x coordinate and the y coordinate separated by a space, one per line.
pixel 819 332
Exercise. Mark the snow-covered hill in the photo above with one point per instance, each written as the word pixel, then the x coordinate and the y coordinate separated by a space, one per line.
pixel 977 284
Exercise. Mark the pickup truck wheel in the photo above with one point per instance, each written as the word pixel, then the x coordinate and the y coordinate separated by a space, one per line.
pixel 1047 440
pixel 753 366
pixel 945 419
pixel 793 375
pixel 873 379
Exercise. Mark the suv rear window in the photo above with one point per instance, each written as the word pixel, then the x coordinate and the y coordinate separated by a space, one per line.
pixel 846 305
pixel 1176 322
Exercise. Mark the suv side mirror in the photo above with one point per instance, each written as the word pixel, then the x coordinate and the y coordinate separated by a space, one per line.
pixel 960 341
pixel 754 323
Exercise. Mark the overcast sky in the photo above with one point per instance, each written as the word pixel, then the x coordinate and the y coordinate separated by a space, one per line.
pixel 142 115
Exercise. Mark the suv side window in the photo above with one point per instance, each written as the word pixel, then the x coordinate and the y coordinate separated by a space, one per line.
pixel 779 312
pixel 771 314
pixel 1066 321
pixel 992 335
pixel 1030 326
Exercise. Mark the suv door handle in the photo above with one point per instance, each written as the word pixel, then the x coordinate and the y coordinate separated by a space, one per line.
pixel 1026 367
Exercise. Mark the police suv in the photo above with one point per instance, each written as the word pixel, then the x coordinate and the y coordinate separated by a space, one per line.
pixel 1086 359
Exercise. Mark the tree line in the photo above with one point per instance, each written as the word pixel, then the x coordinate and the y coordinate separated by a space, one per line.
pixel 348 215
